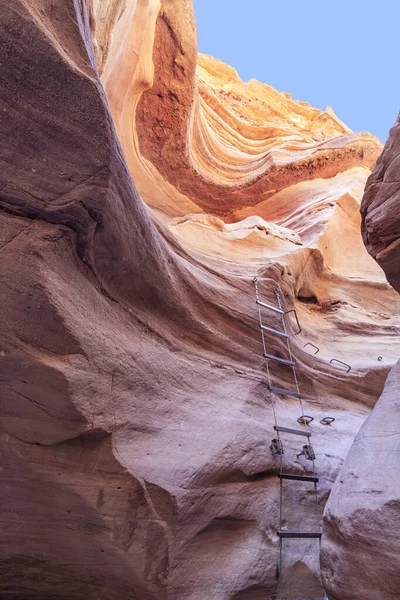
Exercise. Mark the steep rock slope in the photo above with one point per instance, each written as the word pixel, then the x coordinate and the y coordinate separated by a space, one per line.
pixel 135 419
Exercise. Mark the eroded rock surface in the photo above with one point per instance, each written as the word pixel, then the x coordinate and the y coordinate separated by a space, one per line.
pixel 135 417
pixel 381 208
pixel 361 553
pixel 360 550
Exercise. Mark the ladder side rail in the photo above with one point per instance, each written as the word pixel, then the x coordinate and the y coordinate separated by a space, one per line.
pixel 278 292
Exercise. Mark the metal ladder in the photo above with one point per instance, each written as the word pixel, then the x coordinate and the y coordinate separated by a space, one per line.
pixel 276 444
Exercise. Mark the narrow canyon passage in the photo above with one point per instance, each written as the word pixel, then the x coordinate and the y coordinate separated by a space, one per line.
pixel 143 188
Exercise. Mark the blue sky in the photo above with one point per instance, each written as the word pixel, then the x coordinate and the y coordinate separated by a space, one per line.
pixel 345 54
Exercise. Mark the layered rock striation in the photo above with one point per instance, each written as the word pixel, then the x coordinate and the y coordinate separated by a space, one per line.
pixel 135 417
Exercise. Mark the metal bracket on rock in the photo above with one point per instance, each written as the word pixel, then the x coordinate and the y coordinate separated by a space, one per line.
pixel 314 346
pixel 305 419
pixel 276 446
pixel 307 452
pixel 293 310
pixel 341 363
pixel 327 420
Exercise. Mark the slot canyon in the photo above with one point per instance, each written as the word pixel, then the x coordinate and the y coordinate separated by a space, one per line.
pixel 143 188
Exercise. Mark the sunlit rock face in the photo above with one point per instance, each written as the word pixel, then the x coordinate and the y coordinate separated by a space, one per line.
pixel 136 421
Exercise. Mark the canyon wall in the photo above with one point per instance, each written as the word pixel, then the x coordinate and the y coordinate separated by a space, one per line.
pixel 380 210
pixel 142 189
pixel 360 549
pixel 361 553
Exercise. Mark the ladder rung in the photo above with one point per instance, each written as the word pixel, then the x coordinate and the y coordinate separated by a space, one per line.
pixel 278 310
pixel 283 361
pixel 274 331
pixel 300 534
pixel 294 431
pixel 312 478
pixel 285 392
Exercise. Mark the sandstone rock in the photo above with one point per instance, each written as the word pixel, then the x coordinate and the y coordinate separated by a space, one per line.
pixel 361 552
pixel 380 210
pixel 135 418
